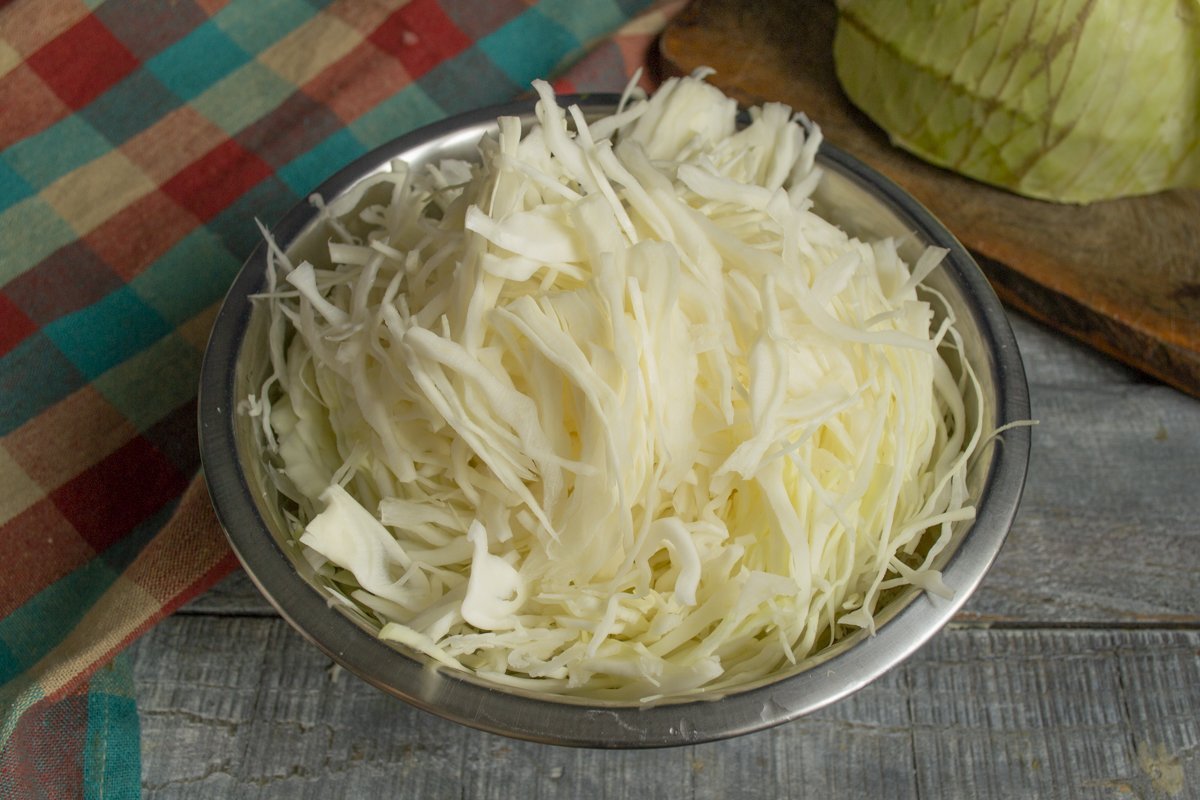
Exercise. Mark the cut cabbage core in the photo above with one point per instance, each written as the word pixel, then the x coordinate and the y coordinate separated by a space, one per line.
pixel 611 412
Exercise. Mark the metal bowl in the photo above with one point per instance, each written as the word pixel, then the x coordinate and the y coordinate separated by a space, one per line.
pixel 851 194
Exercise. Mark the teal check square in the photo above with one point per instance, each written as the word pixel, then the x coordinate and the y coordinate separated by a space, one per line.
pixel 97 338
pixel 13 188
pixel 34 375
pixel 188 278
pixel 45 619
pixel 404 111
pixel 303 173
pixel 130 107
pixel 630 8
pixel 469 81
pixel 112 760
pixel 63 147
pixel 586 21
pixel 508 48
pixel 197 61
pixel 11 665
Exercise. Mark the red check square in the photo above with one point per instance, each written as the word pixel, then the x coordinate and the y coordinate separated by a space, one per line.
pixel 29 105
pixel 53 764
pixel 14 325
pixel 83 62
pixel 341 87
pixel 37 547
pixel 420 36
pixel 130 240
pixel 210 184
pixel 111 498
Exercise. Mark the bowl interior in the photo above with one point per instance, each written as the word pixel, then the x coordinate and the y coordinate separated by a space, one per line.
pixel 850 194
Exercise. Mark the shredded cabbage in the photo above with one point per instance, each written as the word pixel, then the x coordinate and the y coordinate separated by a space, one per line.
pixel 612 412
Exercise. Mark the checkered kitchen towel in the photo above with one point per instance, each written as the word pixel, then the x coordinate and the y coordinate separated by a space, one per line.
pixel 138 141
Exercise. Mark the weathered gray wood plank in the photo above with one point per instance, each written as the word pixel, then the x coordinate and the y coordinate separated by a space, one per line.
pixel 243 707
pixel 1055 714
pixel 1109 526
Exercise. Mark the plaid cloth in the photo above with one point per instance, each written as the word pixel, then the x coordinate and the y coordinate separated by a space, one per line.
pixel 138 141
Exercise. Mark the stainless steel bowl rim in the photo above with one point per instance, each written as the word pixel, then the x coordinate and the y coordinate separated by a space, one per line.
pixel 566 721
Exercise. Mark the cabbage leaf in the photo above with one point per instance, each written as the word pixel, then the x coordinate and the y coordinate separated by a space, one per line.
pixel 1074 101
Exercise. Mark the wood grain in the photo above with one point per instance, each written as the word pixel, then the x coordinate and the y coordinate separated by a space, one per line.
pixel 1123 275
pixel 247 709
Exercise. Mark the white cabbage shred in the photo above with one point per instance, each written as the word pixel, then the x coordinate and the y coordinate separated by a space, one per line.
pixel 612 412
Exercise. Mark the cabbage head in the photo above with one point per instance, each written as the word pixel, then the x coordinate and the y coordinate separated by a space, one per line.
pixel 1071 101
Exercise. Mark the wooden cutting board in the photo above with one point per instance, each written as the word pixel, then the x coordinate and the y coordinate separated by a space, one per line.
pixel 1121 275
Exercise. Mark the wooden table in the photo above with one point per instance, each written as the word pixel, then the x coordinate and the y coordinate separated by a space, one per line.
pixel 1073 672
